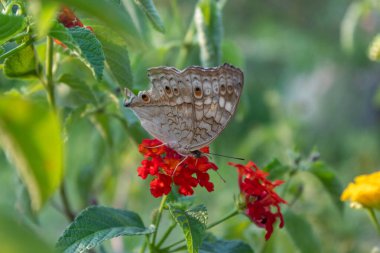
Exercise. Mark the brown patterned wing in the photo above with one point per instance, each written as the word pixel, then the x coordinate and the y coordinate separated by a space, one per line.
pixel 216 94
pixel 188 109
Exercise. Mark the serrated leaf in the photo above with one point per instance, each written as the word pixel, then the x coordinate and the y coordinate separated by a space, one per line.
pixel 116 54
pixel 90 49
pixel 301 233
pixel 61 33
pixel 22 64
pixel 30 134
pixel 10 26
pixel 276 169
pixel 117 59
pixel 97 224
pixel 16 237
pixel 151 12
pixel 329 181
pixel 193 223
pixel 225 246
pixel 110 13
pixel 208 23
pixel 84 43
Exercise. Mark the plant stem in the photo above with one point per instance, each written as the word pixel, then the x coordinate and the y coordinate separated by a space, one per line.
pixel 232 214
pixel 167 233
pixel 178 249
pixel 16 49
pixel 142 250
pixel 373 218
pixel 187 43
pixel 158 219
pixel 66 206
pixel 228 216
pixel 49 71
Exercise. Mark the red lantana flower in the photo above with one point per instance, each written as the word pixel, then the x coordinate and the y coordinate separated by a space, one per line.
pixel 261 201
pixel 168 167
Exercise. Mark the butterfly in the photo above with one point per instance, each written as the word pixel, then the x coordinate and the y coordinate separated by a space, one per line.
pixel 188 109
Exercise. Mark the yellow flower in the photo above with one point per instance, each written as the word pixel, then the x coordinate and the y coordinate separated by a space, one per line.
pixel 365 191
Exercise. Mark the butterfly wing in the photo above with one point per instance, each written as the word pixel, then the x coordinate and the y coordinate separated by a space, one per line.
pixel 188 109
pixel 216 94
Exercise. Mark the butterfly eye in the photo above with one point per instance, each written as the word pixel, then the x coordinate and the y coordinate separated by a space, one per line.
pixel 175 91
pixel 168 90
pixel 222 89
pixel 230 89
pixel 145 98
pixel 198 92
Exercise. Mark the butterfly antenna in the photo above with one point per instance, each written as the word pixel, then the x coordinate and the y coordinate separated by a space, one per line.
pixel 226 156
pixel 224 181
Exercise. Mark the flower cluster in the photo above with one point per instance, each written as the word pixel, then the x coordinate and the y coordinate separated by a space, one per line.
pixel 259 196
pixel 364 192
pixel 168 167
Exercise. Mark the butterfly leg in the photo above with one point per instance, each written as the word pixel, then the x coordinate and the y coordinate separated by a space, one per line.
pixel 178 164
pixel 163 144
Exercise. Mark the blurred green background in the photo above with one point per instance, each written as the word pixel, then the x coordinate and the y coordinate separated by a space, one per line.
pixel 308 84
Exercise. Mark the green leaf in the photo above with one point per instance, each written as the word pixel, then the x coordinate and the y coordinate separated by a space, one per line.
pixel 225 246
pixel 179 201
pixel 31 135
pixel 117 59
pixel 150 10
pixel 330 182
pixel 193 223
pixel 16 237
pixel 90 49
pixel 83 43
pixel 301 233
pixel 10 26
pixel 22 64
pixel 116 54
pixel 102 124
pixel 276 169
pixel 61 33
pixel 44 13
pixel 374 49
pixel 80 92
pixel 208 23
pixel 113 15
pixel 97 224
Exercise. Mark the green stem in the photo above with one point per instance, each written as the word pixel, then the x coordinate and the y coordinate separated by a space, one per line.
pixel 228 216
pixel 158 219
pixel 49 71
pixel 187 41
pixel 172 245
pixel 373 218
pixel 232 214
pixel 19 36
pixel 167 233
pixel 142 250
pixel 66 206
pixel 16 49
pixel 178 249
